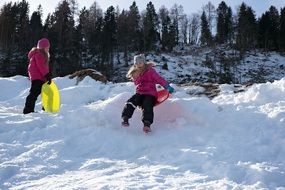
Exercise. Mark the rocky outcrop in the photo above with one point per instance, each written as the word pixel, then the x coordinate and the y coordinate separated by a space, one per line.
pixel 80 75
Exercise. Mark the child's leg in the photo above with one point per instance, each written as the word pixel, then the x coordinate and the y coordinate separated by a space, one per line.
pixel 31 99
pixel 131 105
pixel 147 106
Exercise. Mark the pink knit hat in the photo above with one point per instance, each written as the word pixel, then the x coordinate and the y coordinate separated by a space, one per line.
pixel 43 43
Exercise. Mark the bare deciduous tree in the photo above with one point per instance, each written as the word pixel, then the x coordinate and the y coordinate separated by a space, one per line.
pixel 194 28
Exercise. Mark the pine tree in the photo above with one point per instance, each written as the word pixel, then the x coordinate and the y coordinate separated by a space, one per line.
pixel 168 30
pixel 22 30
pixel 165 25
pixel 134 28
pixel 184 22
pixel 14 37
pixel 229 25
pixel 210 13
pixel 172 38
pixel 73 7
pixel 7 35
pixel 274 28
pixel 206 37
pixel 123 34
pixel 81 38
pixel 36 26
pixel 150 31
pixel 47 25
pixel 263 31
pixel 224 23
pixel 246 28
pixel 221 12
pixel 174 15
pixel 94 32
pixel 109 37
pixel 282 30
pixel 268 29
pixel 8 15
pixel 67 60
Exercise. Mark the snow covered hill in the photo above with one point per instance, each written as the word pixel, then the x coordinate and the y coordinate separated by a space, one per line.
pixel 234 141
pixel 196 64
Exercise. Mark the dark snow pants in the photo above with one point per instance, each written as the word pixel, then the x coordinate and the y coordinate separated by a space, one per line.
pixel 31 99
pixel 146 102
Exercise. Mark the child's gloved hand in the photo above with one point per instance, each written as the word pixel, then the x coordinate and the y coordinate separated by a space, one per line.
pixel 48 78
pixel 169 88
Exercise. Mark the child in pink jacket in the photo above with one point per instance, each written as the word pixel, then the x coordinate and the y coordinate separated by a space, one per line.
pixel 145 79
pixel 38 70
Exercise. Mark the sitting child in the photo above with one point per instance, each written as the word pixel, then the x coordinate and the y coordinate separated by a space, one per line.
pixel 145 79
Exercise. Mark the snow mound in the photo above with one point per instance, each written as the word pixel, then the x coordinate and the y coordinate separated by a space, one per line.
pixel 234 141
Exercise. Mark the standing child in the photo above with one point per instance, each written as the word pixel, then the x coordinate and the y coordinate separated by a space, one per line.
pixel 38 70
pixel 145 79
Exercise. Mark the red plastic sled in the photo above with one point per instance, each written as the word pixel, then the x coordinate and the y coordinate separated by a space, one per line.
pixel 162 95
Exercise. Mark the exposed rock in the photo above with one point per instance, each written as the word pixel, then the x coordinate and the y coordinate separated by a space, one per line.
pixel 165 66
pixel 210 90
pixel 88 72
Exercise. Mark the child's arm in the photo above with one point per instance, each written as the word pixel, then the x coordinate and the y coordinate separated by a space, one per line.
pixel 160 80
pixel 41 65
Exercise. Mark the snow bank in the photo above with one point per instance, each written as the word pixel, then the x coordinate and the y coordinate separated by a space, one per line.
pixel 235 141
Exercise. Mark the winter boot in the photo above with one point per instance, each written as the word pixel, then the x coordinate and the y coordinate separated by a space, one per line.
pixel 27 111
pixel 146 127
pixel 125 122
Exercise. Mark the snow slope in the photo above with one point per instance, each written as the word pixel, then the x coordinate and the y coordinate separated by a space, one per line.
pixel 189 66
pixel 234 141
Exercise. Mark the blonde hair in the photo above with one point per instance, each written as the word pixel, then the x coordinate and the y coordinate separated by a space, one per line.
pixel 135 71
pixel 43 52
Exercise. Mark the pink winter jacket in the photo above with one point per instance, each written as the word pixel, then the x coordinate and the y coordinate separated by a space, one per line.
pixel 37 67
pixel 146 82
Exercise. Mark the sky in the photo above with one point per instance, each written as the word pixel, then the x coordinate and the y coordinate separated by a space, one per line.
pixel 190 6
